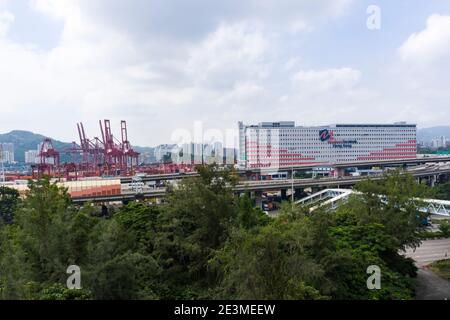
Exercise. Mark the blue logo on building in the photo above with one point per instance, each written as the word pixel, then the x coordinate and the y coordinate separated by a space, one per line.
pixel 325 135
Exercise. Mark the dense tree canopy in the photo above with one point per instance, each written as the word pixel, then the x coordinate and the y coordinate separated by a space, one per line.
pixel 8 203
pixel 207 242
pixel 443 191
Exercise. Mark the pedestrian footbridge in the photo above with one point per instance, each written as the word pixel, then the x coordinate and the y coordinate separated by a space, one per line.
pixel 334 197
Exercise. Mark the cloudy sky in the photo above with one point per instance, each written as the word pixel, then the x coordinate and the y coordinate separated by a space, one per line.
pixel 162 65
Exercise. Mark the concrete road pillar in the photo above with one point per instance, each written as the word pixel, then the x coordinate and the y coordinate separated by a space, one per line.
pixel 284 194
pixel 299 193
pixel 258 199
pixel 315 189
pixel 339 172
pixel 433 181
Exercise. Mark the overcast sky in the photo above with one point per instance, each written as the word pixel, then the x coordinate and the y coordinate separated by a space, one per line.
pixel 162 65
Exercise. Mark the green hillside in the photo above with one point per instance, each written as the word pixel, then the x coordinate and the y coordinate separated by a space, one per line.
pixel 26 140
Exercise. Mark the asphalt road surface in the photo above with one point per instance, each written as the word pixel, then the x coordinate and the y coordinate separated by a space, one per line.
pixel 429 251
pixel 429 286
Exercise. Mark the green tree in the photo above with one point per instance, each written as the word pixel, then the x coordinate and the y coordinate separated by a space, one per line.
pixel 269 263
pixel 444 227
pixel 248 215
pixel 443 191
pixel 206 242
pixel 366 245
pixel 373 227
pixel 57 291
pixel 8 202
pixel 392 202
pixel 14 270
pixel 35 249
pixel 79 229
pixel 120 261
pixel 42 219
pixel 120 276
pixel 196 221
pixel 138 222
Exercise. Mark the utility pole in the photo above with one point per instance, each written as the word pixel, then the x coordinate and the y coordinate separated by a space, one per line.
pixel 1 159
pixel 292 188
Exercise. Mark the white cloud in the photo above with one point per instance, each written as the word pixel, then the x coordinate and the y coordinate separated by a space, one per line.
pixel 328 79
pixel 119 61
pixel 429 45
pixel 232 53
pixel 298 26
pixel 6 18
pixel 416 83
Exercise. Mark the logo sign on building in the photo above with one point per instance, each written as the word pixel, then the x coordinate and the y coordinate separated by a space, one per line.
pixel 324 134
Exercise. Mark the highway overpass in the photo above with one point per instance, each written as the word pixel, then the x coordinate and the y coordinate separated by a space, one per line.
pixel 130 193
pixel 360 164
pixel 267 185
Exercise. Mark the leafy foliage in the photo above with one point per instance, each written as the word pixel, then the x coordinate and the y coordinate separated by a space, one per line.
pixel 269 264
pixel 9 199
pixel 207 242
pixel 443 191
pixel 444 227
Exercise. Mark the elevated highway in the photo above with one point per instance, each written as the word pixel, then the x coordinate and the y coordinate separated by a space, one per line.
pixel 243 172
pixel 415 161
pixel 161 177
pixel 145 191
pixel 361 164
pixel 327 182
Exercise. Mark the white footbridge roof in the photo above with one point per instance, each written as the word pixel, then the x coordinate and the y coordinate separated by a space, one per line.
pixel 334 197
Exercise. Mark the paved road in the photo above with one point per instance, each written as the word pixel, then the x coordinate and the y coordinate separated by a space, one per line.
pixel 429 286
pixel 429 251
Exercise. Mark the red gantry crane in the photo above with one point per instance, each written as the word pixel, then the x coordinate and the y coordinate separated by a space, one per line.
pixel 105 156
pixel 48 160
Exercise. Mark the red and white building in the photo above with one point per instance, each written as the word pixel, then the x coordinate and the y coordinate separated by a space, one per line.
pixel 282 144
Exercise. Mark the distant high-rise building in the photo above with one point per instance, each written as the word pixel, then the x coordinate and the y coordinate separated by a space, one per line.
pixel 198 153
pixel 141 158
pixel 7 152
pixel 440 142
pixel 230 155
pixel 31 156
pixel 146 157
pixel 163 151
pixel 282 144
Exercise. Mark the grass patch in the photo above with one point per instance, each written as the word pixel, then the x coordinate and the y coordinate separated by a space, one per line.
pixel 431 235
pixel 439 221
pixel 441 268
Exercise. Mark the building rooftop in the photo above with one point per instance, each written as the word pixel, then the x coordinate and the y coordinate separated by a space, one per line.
pixel 291 124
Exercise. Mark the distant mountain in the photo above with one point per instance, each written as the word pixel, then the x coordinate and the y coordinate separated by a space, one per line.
pixel 26 140
pixel 427 134
pixel 139 149
pixel 148 153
